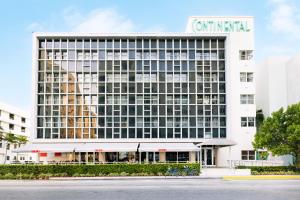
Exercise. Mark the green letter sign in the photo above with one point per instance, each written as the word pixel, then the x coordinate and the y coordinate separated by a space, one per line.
pixel 219 26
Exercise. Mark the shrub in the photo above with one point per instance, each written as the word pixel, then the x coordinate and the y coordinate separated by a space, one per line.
pixel 9 176
pixel 113 174
pixel 44 176
pixel 274 173
pixel 124 174
pixel 76 175
pixel 103 169
pixel 46 171
pixel 271 170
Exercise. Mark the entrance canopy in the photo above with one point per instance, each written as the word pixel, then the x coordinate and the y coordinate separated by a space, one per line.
pixel 35 148
pixel 167 147
pixel 78 147
pixel 217 142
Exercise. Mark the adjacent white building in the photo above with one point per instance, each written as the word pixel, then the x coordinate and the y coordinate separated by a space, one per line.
pixel 16 121
pixel 277 83
pixel 277 86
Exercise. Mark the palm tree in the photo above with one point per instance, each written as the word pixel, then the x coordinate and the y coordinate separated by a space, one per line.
pixel 21 139
pixel 1 133
pixel 10 138
pixel 2 138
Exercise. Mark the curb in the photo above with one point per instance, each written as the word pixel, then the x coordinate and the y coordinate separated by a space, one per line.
pixel 263 177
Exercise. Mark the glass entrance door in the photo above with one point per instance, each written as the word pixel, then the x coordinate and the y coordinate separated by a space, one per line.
pixel 207 156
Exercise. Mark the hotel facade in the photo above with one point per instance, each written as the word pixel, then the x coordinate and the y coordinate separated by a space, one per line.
pixel 139 97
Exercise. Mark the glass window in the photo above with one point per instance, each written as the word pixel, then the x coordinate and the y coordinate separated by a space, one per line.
pixel 171 156
pixel 243 77
pixel 246 54
pixel 248 155
pixel 251 121
pixel 246 76
pixel 249 77
pixel 250 99
pixel 247 99
pixel 243 121
pixel 243 99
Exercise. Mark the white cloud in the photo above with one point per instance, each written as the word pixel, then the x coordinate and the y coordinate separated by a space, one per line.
pixel 72 16
pixel 107 20
pixel 98 20
pixel 34 27
pixel 155 29
pixel 285 18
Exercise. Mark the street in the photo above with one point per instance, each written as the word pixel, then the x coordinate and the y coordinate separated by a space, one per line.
pixel 173 189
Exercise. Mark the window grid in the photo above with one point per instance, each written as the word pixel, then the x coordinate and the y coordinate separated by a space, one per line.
pixel 131 88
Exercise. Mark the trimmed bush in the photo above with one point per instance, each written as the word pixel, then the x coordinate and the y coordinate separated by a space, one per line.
pixel 275 173
pixel 44 171
pixel 271 170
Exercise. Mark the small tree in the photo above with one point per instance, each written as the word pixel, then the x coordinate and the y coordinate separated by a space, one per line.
pixel 10 138
pixel 280 133
pixel 2 138
pixel 1 133
pixel 21 139
pixel 259 118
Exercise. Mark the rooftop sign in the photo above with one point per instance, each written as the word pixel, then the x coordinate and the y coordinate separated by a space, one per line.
pixel 218 25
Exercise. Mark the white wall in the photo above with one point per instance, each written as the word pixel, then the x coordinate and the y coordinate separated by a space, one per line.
pixel 293 80
pixel 271 84
pixel 5 121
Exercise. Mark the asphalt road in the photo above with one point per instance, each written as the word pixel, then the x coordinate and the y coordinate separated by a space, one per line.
pixel 174 189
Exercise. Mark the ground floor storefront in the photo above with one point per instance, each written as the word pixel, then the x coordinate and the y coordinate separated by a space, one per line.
pixel 207 157
pixel 118 157
pixel 100 153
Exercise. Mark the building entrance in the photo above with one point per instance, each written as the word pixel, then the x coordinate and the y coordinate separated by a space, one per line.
pixel 208 156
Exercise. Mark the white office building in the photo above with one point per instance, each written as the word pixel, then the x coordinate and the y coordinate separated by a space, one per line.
pixel 277 86
pixel 15 121
pixel 159 97
pixel 278 83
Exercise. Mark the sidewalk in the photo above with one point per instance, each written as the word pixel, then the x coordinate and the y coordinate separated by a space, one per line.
pixel 263 177
pixel 221 172
pixel 250 177
pixel 133 177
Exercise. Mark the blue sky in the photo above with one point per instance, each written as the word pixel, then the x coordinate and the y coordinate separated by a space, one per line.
pixel 277 28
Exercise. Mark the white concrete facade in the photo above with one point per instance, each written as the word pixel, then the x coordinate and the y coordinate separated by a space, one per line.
pixel 238 33
pixel 277 83
pixel 236 41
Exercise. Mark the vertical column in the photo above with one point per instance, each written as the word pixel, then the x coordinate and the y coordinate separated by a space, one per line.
pixel 162 156
pixel 86 157
pixel 102 157
pixel 147 157
pixel 192 156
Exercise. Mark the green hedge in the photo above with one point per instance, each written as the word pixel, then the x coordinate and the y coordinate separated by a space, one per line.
pixel 268 168
pixel 271 170
pixel 101 169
